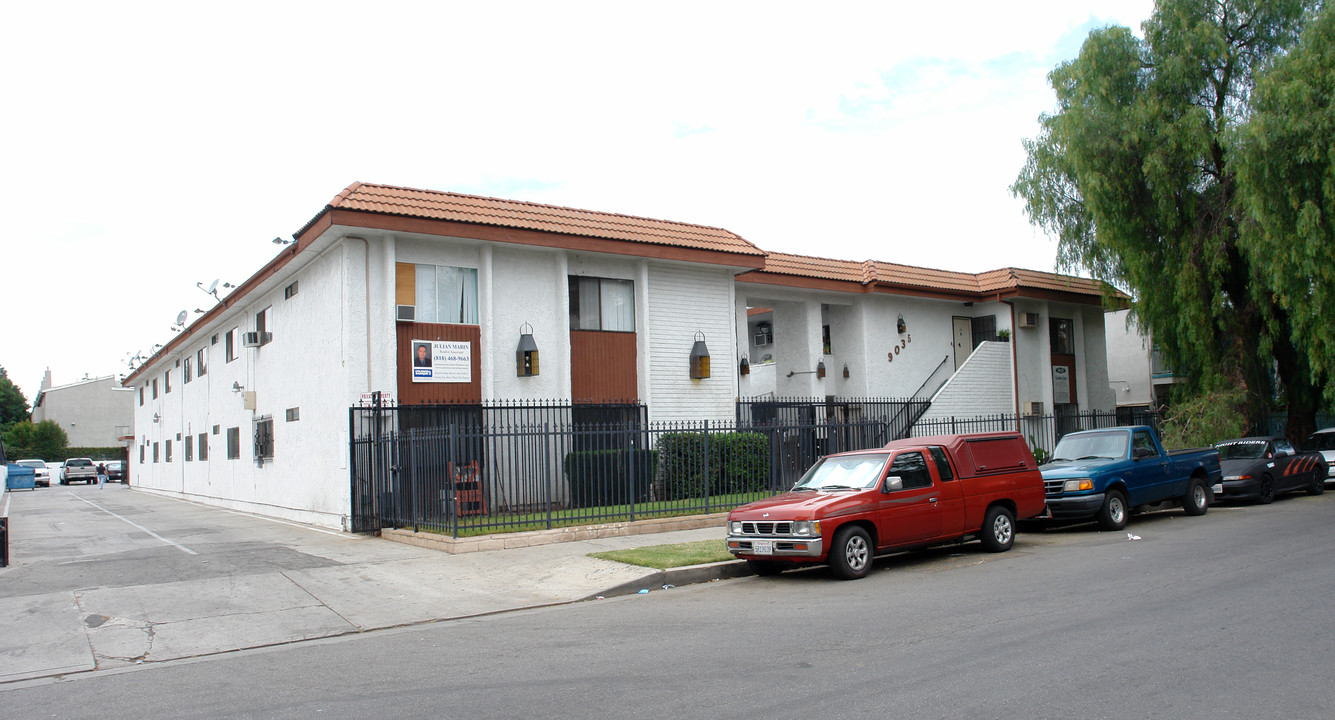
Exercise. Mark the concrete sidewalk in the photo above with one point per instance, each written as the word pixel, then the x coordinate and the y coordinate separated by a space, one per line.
pixel 107 579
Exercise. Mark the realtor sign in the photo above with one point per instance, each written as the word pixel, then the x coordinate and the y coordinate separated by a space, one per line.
pixel 442 361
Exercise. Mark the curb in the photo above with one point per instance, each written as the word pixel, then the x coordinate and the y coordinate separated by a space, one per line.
pixel 686 575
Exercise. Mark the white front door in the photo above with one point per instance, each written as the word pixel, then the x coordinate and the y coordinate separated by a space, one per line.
pixel 963 340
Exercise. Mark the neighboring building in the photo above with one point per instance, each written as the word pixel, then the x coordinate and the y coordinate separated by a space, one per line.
pixel 1137 374
pixel 1005 341
pixel 248 407
pixel 93 412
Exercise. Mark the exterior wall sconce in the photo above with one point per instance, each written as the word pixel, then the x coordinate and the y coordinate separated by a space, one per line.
pixel 745 367
pixel 156 417
pixel 526 356
pixel 845 371
pixel 820 369
pixel 699 358
pixel 900 326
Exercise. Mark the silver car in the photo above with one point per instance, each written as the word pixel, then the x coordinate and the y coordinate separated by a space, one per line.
pixel 41 474
pixel 1323 441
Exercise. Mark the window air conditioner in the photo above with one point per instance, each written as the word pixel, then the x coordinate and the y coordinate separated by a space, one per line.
pixel 1033 408
pixel 1028 320
pixel 407 313
pixel 255 339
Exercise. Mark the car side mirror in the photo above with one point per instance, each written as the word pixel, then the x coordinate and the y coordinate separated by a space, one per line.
pixel 894 482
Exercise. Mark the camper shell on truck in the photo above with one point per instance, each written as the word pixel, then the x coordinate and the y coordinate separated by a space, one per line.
pixel 912 493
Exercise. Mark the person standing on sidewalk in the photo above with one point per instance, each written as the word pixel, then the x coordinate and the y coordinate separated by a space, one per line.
pixel 101 475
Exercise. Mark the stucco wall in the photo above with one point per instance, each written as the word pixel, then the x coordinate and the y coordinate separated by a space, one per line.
pixel 93 413
pixel 1128 359
pixel 982 386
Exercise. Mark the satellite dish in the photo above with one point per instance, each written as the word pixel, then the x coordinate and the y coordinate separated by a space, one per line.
pixel 180 319
pixel 213 286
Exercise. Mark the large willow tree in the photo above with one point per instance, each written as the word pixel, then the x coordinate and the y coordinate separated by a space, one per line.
pixel 1132 174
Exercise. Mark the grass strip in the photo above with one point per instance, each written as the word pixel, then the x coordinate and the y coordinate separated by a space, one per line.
pixel 662 557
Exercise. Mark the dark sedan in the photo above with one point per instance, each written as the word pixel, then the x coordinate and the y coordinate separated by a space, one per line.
pixel 1258 468
pixel 116 471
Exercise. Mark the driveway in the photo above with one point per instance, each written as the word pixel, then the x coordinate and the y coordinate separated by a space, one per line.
pixel 100 579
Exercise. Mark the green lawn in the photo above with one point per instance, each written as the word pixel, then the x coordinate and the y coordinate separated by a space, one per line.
pixel 662 557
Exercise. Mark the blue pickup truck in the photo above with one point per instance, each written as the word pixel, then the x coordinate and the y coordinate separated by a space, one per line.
pixel 1105 474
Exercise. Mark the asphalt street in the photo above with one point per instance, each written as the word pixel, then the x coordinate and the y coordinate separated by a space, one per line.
pixel 1220 616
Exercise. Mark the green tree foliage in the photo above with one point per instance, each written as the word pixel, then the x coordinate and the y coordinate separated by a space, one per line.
pixel 1285 162
pixel 13 406
pixel 1206 418
pixel 45 440
pixel 1132 175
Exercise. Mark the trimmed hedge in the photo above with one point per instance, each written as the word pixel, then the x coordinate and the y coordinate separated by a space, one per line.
pixel 610 477
pixel 700 464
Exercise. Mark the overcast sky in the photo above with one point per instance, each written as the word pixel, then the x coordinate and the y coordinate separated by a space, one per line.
pixel 151 146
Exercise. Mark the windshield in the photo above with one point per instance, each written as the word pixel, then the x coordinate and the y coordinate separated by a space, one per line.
pixel 31 463
pixel 1321 441
pixel 1241 450
pixel 852 471
pixel 1090 446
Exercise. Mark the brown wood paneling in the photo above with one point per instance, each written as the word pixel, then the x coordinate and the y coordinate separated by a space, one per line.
pixel 602 366
pixel 405 284
pixel 411 393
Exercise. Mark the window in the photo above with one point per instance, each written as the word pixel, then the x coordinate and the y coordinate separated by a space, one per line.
pixel 187 375
pixel 141 396
pixel 1062 336
pixel 169 451
pixel 293 414
pixel 445 294
pixel 290 290
pixel 233 443
pixel 602 304
pixel 155 452
pixel 201 368
pixel 214 339
pixel 264 438
pixel 167 382
pixel 912 469
pixel 217 429
pixel 155 388
pixel 203 447
pixel 984 329
pixel 262 322
pixel 825 339
pixel 189 448
pixel 1142 445
pixel 942 463
pixel 141 454
pixel 229 345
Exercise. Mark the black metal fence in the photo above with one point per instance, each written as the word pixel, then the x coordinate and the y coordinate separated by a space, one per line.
pixel 474 469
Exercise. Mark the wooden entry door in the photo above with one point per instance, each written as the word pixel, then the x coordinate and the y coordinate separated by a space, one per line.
pixel 963 339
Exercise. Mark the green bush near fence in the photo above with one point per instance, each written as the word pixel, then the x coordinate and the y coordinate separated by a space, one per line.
pixel 700 464
pixel 610 477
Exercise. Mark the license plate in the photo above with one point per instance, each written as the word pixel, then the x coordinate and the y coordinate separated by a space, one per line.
pixel 1217 488
pixel 762 547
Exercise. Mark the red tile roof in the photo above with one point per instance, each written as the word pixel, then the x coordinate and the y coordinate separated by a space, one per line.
pixel 436 205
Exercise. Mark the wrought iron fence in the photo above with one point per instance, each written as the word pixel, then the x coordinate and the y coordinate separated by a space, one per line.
pixel 474 469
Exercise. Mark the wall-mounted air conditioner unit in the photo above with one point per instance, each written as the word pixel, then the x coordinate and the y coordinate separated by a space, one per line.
pixel 255 339
pixel 1028 320
pixel 1032 408
pixel 407 313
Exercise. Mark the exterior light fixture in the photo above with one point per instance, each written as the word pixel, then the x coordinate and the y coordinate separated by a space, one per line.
pixel 900 326
pixel 820 368
pixel 699 358
pixel 526 356
pixel 845 370
pixel 745 367
pixel 156 417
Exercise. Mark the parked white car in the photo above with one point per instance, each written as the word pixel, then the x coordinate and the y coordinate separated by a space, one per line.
pixel 1323 441
pixel 41 474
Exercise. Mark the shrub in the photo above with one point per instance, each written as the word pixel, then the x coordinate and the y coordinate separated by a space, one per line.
pixel 699 464
pixel 609 477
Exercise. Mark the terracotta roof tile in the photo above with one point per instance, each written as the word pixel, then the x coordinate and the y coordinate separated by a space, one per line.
pixel 436 205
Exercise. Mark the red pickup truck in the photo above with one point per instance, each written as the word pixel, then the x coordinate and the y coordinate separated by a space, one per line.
pixel 910 494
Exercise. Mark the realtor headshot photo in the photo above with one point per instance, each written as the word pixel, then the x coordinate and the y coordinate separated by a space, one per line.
pixel 422 354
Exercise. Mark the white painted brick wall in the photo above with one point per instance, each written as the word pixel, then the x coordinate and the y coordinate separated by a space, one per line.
pixel 982 386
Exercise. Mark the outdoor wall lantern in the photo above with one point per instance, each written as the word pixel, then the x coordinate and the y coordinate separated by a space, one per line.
pixel 820 368
pixel 745 368
pixel 526 357
pixel 699 358
pixel 900 326
pixel 156 417
pixel 845 371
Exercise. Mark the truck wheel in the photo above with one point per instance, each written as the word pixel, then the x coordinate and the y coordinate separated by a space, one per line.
pixel 1265 492
pixel 851 556
pixel 1197 499
pixel 998 533
pixel 760 567
pixel 1113 514
pixel 1318 485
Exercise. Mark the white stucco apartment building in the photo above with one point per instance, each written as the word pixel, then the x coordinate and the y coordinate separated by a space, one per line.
pixel 248 406
pixel 93 412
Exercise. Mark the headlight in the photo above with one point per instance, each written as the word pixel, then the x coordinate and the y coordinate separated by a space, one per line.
pixel 806 528
pixel 735 527
pixel 1078 484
